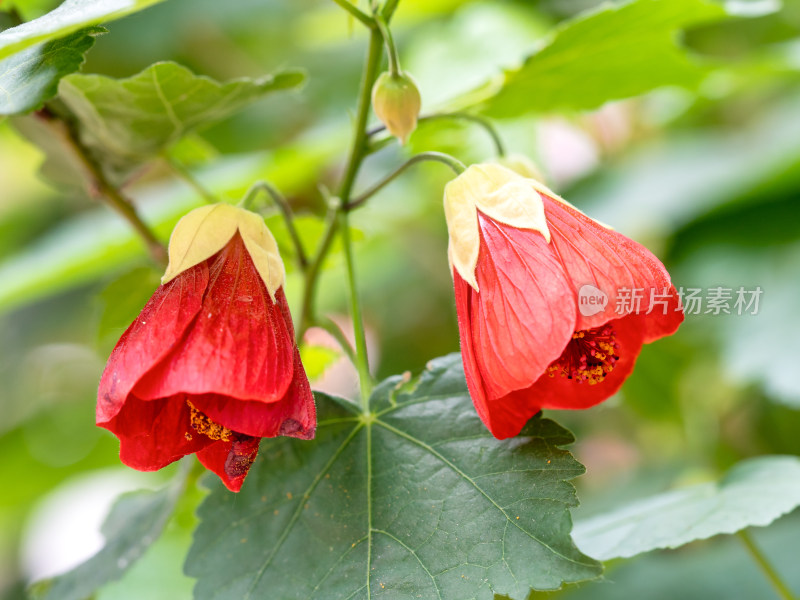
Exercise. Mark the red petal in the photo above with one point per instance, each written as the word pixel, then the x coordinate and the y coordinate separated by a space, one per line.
pixel 231 460
pixel 498 418
pixel 154 434
pixel 560 393
pixel 595 255
pixel 239 346
pixel 294 415
pixel 524 314
pixel 155 332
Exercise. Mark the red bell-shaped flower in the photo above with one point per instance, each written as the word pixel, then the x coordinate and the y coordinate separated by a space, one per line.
pixel 210 365
pixel 553 307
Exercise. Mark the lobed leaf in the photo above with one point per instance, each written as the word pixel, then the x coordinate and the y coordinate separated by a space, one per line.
pixel 136 118
pixel 68 18
pixel 30 77
pixel 415 500
pixel 754 492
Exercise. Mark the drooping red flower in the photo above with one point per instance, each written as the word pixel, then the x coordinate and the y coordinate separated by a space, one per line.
pixel 210 366
pixel 553 307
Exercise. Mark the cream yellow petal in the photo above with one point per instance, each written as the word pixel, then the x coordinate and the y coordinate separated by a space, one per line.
pixel 500 194
pixel 199 235
pixel 517 204
pixel 204 231
pixel 263 249
pixel 462 225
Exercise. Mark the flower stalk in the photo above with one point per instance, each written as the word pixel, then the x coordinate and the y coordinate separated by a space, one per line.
pixel 483 122
pixel 180 170
pixel 356 157
pixel 283 206
pixel 456 165
pixel 391 49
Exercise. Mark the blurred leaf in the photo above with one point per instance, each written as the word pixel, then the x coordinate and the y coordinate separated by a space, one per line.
pixel 28 9
pixel 683 176
pixel 135 119
pixel 122 300
pixel 61 167
pixel 136 521
pixel 614 52
pixel 317 359
pixel 68 18
pixel 756 347
pixel 720 568
pixel 30 77
pixel 192 149
pixel 78 251
pixel 754 492
pixel 652 389
pixel 158 575
pixel 416 500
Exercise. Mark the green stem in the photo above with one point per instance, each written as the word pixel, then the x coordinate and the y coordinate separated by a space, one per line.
pixel 462 116
pixel 780 586
pixel 286 212
pixel 362 358
pixel 337 334
pixel 307 318
pixel 391 49
pixel 337 218
pixel 356 12
pixel 456 165
pixel 110 194
pixel 357 153
pixel 359 144
pixel 183 173
pixel 388 9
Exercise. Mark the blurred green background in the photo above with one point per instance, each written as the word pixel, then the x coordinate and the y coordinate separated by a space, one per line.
pixel 708 178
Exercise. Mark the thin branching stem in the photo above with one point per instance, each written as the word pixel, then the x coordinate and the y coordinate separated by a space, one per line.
pixel 108 192
pixel 356 12
pixel 763 563
pixel 285 209
pixel 456 165
pixel 180 170
pixel 485 123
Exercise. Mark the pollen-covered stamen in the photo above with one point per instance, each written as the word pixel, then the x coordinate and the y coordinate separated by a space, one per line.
pixel 590 356
pixel 202 424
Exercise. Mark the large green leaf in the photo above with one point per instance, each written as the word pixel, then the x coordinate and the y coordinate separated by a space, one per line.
pixel 614 52
pixel 135 119
pixel 68 18
pixel 136 521
pixel 755 492
pixel 30 77
pixel 416 500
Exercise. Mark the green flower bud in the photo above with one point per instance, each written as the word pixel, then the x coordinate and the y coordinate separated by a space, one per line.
pixel 396 102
